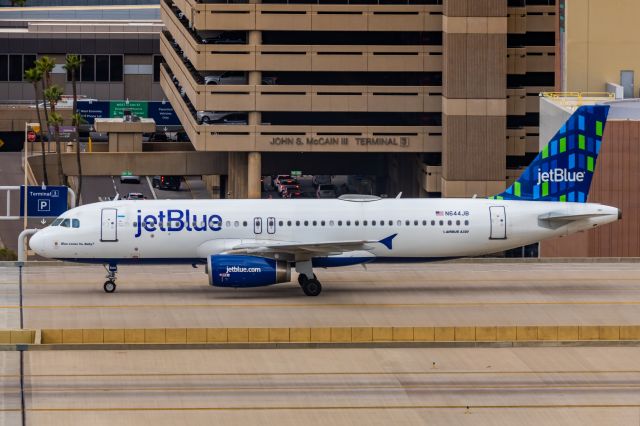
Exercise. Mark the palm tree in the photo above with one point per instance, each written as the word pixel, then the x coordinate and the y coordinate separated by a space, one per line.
pixel 78 119
pixel 53 94
pixel 72 65
pixel 45 65
pixel 33 76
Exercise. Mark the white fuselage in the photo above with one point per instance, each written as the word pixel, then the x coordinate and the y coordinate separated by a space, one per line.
pixel 112 232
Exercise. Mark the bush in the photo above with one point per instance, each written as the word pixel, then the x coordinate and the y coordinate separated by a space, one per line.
pixel 7 254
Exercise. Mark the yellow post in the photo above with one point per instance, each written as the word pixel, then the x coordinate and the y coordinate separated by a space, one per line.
pixel 90 145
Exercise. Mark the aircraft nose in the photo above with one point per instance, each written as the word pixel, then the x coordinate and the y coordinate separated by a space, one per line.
pixel 36 242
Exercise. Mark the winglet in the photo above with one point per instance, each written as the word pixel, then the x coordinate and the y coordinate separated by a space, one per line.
pixel 388 242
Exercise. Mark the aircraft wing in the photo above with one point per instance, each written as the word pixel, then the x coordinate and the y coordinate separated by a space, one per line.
pixel 306 250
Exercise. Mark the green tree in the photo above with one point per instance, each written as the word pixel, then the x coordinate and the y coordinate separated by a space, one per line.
pixel 53 94
pixel 79 119
pixel 72 66
pixel 19 3
pixel 45 65
pixel 34 76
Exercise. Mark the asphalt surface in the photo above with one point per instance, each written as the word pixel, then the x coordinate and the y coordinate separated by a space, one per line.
pixel 505 386
pixel 377 386
pixel 450 294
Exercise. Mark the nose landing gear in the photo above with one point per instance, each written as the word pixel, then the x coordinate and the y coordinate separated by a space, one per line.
pixel 110 284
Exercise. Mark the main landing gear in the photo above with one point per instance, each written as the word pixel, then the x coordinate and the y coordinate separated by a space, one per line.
pixel 110 283
pixel 307 279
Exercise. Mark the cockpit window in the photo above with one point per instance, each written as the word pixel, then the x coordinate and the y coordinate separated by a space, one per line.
pixel 75 223
pixel 66 223
pixel 56 222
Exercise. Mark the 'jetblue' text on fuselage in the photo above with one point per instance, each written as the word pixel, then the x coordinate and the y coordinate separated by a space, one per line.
pixel 174 220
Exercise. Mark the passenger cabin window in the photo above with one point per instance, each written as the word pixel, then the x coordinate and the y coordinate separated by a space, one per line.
pixel 75 223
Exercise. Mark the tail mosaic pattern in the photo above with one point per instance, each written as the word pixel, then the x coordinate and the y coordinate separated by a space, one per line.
pixel 563 170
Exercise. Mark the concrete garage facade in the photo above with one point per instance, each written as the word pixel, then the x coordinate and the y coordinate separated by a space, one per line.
pixel 444 90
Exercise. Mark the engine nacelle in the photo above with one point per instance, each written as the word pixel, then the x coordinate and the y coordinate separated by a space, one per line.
pixel 227 270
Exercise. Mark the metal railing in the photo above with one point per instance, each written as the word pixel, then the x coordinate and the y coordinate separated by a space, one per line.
pixel 577 98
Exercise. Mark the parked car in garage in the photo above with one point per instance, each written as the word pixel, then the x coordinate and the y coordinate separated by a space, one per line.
pixel 213 117
pixel 229 77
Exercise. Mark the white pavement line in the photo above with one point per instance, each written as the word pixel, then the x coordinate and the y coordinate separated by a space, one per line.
pixel 115 188
pixel 153 192
pixel 186 181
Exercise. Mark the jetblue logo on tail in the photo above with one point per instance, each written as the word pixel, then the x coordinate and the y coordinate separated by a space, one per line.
pixel 559 175
pixel 563 170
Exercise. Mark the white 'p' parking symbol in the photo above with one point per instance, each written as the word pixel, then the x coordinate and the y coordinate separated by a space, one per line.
pixel 44 205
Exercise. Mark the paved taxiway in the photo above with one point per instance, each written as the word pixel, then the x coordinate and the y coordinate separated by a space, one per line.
pixel 453 294
pixel 505 386
pixel 377 386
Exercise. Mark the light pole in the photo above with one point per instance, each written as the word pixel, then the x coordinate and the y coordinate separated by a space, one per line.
pixel 25 195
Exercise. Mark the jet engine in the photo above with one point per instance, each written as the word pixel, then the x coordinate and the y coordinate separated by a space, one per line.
pixel 246 271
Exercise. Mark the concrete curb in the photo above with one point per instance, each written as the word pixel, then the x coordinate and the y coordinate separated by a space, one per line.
pixel 362 345
pixel 323 335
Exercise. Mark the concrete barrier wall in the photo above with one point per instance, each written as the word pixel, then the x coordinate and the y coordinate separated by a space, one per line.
pixel 322 335
pixel 326 335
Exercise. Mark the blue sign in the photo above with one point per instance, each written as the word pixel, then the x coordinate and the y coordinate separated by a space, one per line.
pixel 44 201
pixel 91 110
pixel 163 114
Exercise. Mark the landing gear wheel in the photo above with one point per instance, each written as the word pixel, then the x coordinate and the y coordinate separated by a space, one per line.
pixel 302 278
pixel 109 286
pixel 311 287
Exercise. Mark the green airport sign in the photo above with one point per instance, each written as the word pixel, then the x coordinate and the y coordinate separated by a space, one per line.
pixel 139 108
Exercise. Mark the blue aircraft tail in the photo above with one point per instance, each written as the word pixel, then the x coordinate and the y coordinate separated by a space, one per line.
pixel 563 170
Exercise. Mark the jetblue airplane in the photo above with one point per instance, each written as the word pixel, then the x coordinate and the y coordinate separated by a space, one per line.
pixel 252 243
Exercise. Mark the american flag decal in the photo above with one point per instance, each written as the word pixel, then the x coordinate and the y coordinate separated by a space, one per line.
pixel 439 213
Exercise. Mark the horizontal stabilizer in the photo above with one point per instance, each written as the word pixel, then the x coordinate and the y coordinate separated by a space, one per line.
pixel 568 217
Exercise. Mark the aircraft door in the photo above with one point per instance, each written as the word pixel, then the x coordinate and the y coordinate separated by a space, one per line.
pixel 257 225
pixel 109 225
pixel 271 225
pixel 498 223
